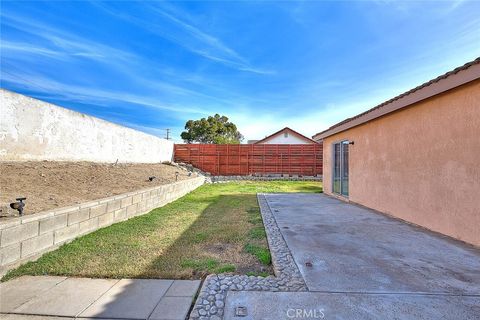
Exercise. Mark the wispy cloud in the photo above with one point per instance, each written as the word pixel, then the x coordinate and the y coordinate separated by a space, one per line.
pixel 9 47
pixel 88 95
pixel 174 27
pixel 61 45
pixel 456 4
pixel 305 65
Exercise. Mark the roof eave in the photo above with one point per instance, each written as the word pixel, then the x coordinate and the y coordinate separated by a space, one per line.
pixel 450 82
pixel 280 131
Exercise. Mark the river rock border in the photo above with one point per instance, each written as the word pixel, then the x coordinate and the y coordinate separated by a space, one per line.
pixel 210 303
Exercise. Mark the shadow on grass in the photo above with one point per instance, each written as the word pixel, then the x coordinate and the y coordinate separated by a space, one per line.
pixel 187 239
pixel 204 231
pixel 214 229
pixel 215 242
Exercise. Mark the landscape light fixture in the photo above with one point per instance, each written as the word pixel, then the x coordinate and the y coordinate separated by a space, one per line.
pixel 19 205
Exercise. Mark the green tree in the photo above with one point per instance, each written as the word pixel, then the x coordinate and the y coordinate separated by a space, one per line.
pixel 216 129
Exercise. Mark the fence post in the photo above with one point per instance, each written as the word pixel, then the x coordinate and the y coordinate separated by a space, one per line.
pixel 248 162
pixel 276 160
pixel 289 160
pixel 281 163
pixel 264 155
pixel 302 160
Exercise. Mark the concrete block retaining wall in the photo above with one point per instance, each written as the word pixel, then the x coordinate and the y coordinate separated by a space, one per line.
pixel 31 129
pixel 26 238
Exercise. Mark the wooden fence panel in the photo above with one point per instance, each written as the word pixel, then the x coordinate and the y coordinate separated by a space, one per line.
pixel 253 159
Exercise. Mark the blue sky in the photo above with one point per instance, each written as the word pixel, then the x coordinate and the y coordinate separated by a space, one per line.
pixel 265 65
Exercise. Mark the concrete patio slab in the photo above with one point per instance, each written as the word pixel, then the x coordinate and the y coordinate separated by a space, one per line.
pixel 129 298
pixel 172 308
pixel 34 317
pixel 354 249
pixel 68 298
pixel 18 291
pixel 317 305
pixel 183 288
pixel 360 264
pixel 29 317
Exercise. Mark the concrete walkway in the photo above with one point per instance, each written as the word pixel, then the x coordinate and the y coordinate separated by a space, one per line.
pixel 96 298
pixel 360 264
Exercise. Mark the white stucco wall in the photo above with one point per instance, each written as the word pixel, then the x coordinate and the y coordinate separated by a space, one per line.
pixel 281 139
pixel 31 129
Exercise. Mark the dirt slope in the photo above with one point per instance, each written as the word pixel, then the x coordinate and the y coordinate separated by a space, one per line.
pixel 48 185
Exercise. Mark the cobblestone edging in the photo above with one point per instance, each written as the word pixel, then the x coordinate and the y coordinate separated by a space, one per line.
pixel 26 238
pixel 210 303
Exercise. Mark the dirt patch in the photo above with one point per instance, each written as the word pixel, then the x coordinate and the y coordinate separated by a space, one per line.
pixel 219 248
pixel 49 184
pixel 234 253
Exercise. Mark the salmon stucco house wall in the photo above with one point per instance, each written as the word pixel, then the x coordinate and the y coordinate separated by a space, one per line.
pixel 415 157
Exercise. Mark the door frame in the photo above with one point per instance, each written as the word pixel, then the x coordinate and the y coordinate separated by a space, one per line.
pixel 342 166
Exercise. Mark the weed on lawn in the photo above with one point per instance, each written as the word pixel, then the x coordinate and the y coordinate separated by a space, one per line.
pixel 257 233
pixel 257 274
pixel 262 254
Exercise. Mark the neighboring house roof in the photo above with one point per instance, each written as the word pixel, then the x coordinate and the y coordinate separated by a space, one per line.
pixel 282 131
pixel 452 79
pixel 252 141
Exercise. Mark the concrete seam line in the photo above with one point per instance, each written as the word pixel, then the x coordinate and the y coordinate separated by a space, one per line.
pixel 79 313
pixel 150 314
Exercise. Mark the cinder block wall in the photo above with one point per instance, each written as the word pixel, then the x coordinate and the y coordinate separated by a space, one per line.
pixel 31 129
pixel 26 238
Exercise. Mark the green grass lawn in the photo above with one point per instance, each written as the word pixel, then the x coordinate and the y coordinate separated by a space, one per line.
pixel 216 228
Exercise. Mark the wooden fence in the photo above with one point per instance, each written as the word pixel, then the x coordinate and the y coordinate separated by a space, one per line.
pixel 252 159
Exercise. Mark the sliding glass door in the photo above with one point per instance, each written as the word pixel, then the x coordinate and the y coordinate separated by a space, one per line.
pixel 340 168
